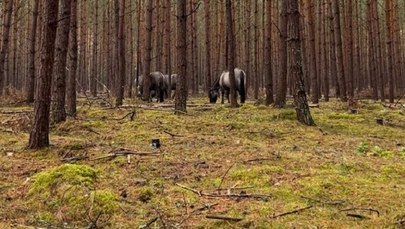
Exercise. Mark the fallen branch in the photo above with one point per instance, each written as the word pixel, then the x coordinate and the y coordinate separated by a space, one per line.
pixel 131 116
pixel 123 152
pixel 228 195
pixel 357 216
pixel 223 177
pixel 171 134
pixel 362 209
pixel 291 212
pixel 227 218
pixel 147 225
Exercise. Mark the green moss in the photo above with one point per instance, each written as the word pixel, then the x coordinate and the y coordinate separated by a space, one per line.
pixel 363 148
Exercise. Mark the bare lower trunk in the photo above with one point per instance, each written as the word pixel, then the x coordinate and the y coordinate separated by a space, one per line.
pixel 181 88
pixel 39 136
pixel 71 81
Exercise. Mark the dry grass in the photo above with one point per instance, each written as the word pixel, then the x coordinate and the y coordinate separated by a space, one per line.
pixel 346 161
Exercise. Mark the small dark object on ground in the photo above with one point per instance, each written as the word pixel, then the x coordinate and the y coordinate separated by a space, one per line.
pixel 156 143
pixel 380 121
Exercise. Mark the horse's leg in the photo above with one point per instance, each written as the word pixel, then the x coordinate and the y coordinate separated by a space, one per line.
pixel 222 95
pixel 227 95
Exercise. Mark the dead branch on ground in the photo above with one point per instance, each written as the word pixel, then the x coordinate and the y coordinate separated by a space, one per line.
pixel 291 212
pixel 123 152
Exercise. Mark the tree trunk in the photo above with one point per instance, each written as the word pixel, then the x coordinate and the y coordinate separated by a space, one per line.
pixel 181 88
pixel 339 50
pixel 349 48
pixel 268 60
pixel 62 43
pixel 281 91
pixel 312 55
pixel 295 64
pixel 121 55
pixel 208 81
pixel 389 38
pixel 231 51
pixel 39 136
pixel 148 51
pixel 8 10
pixel 71 81
pixel 31 63
pixel 93 76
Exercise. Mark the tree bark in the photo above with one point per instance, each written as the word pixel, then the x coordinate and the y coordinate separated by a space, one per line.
pixel 181 88
pixel 339 50
pixel 121 55
pixel 31 62
pixel 39 136
pixel 295 64
pixel 72 73
pixel 62 42
pixel 281 92
pixel 148 51
pixel 312 54
pixel 208 81
pixel 268 60
pixel 8 10
pixel 231 51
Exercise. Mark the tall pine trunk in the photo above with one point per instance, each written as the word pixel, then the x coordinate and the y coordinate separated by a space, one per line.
pixel 281 91
pixel 8 10
pixel 71 81
pixel 295 64
pixel 231 52
pixel 31 62
pixel 39 136
pixel 62 42
pixel 181 88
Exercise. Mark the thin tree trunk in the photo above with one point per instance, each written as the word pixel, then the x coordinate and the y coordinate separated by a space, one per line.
pixel 208 78
pixel 281 91
pixel 71 81
pixel 39 136
pixel 121 54
pixel 231 52
pixel 312 55
pixel 93 76
pixel 181 88
pixel 268 60
pixel 31 63
pixel 62 42
pixel 339 50
pixel 8 10
pixel 295 64
pixel 148 51
pixel 388 21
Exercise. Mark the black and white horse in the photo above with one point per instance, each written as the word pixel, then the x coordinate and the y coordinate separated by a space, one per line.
pixel 157 86
pixel 224 84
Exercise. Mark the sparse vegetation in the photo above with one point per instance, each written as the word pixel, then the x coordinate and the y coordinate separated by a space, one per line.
pixel 346 162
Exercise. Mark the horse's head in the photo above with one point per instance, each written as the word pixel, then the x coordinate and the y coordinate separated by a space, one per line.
pixel 213 95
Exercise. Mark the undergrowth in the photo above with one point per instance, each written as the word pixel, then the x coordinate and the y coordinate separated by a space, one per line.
pixel 337 171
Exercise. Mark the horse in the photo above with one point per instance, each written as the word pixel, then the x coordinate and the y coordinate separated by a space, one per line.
pixel 172 86
pixel 224 84
pixel 157 86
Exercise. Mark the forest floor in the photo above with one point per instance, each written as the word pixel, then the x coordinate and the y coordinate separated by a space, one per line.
pixel 255 165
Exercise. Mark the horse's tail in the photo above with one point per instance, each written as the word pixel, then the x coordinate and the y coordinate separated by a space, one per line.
pixel 242 87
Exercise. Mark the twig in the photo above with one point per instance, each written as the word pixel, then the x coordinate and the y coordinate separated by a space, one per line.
pixel 362 209
pixel 291 212
pixel 123 152
pixel 228 218
pixel 171 134
pixel 223 177
pixel 358 216
pixel 131 116
pixel 216 195
pixel 147 225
